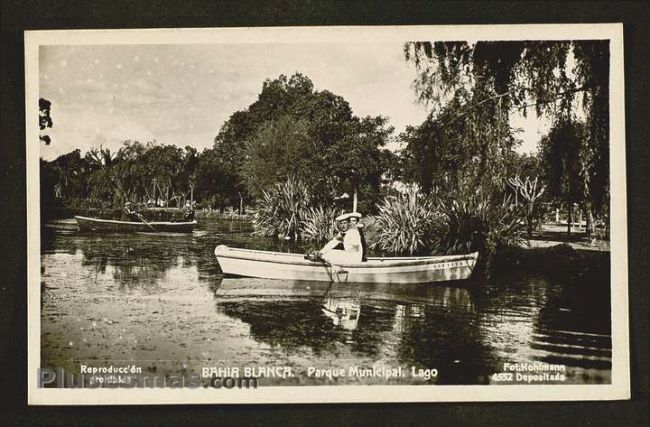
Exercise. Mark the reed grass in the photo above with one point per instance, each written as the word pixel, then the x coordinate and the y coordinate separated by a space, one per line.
pixel 281 210
pixel 319 224
pixel 406 224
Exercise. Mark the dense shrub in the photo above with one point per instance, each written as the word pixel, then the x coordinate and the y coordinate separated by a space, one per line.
pixel 411 223
pixel 319 224
pixel 406 224
pixel 476 221
pixel 281 210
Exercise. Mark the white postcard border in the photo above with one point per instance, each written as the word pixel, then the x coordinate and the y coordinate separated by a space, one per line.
pixel 618 389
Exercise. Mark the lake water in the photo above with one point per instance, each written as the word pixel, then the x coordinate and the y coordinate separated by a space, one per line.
pixel 159 301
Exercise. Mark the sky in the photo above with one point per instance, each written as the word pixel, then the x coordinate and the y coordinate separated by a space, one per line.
pixel 182 94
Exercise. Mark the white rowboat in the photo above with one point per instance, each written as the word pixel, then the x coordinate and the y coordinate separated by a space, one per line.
pixel 114 226
pixel 287 266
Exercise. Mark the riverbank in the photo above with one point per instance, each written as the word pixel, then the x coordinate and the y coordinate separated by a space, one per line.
pixel 553 234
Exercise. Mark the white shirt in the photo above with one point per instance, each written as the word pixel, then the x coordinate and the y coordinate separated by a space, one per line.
pixel 352 240
pixel 352 252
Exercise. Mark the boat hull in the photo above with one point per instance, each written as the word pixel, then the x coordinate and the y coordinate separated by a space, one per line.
pixel 113 226
pixel 276 265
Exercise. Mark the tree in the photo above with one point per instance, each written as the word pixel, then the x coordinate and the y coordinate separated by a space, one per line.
pixel 359 159
pixel 104 179
pixel 44 119
pixel 230 147
pixel 66 178
pixel 278 151
pixel 530 191
pixel 563 155
pixel 138 166
pixel 422 161
pixel 100 157
pixel 130 174
pixel 525 75
pixel 164 164
pixel 526 165
pixel 294 130
pixel 188 176
pixel 454 149
pixel 101 178
pixel 213 183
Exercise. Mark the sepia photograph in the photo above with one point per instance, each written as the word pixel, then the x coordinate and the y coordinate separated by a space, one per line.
pixel 326 214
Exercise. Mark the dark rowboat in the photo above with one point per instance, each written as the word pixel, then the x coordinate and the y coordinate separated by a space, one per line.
pixel 286 266
pixel 113 226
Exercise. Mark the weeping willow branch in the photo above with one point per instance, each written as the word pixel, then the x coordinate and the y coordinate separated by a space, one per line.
pixel 469 108
pixel 555 98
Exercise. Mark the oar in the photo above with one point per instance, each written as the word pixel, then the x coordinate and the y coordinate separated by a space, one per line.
pixel 334 268
pixel 327 264
pixel 327 292
pixel 142 219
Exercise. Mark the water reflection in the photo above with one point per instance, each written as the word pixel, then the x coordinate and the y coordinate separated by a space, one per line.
pixel 571 328
pixel 175 280
pixel 141 259
pixel 427 327
pixel 552 322
pixel 343 312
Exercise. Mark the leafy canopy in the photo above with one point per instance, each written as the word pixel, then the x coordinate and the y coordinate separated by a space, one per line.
pixel 481 84
pixel 293 130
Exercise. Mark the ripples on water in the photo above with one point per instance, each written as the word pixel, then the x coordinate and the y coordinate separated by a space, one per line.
pixel 159 300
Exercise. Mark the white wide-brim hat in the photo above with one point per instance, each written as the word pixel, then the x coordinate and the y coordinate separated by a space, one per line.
pixel 343 217
pixel 355 215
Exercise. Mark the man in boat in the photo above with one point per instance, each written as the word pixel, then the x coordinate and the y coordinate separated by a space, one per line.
pixel 351 252
pixel 356 223
pixel 188 213
pixel 129 213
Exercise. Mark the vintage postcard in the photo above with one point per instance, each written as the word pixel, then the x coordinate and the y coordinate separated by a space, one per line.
pixel 326 214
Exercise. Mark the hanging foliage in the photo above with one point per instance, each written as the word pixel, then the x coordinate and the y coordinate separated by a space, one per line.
pixel 554 78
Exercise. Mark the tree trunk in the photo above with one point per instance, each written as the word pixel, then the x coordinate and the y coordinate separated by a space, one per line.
pixel 569 219
pixel 589 219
